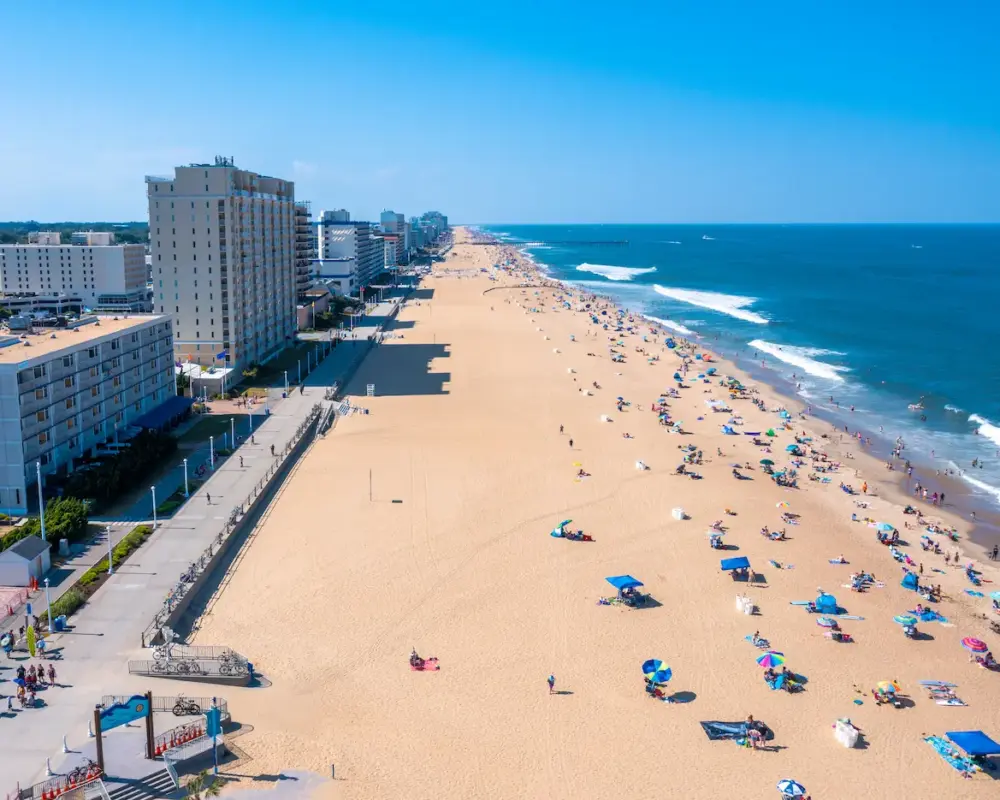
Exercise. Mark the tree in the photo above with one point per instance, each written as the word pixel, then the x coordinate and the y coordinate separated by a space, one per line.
pixel 203 785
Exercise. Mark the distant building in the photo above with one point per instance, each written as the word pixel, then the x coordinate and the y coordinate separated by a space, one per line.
pixel 32 304
pixel 223 247
pixel 44 237
pixel 65 390
pixel 394 223
pixel 350 254
pixel 107 276
pixel 338 215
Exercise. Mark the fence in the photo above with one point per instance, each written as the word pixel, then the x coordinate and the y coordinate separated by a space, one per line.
pixel 167 703
pixel 179 597
pixel 205 669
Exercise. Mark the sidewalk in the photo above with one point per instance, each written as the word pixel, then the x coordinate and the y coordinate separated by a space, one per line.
pixel 107 631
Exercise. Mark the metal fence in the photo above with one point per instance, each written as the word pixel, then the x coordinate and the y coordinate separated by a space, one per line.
pixel 168 703
pixel 191 668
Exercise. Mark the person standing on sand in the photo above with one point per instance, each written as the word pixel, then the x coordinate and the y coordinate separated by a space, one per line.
pixel 552 684
pixel 570 444
pixel 996 551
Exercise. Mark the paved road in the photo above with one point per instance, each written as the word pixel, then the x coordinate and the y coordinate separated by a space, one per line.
pixel 107 630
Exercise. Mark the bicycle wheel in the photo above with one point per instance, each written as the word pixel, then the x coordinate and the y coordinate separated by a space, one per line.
pixel 180 709
pixel 158 666
pixel 194 708
pixel 225 669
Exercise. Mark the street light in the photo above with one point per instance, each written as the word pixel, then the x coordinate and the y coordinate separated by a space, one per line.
pixel 153 490
pixel 186 493
pixel 211 450
pixel 48 604
pixel 286 381
pixel 232 430
pixel 41 499
pixel 111 569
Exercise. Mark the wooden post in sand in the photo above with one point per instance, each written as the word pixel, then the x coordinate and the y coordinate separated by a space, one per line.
pixel 369 485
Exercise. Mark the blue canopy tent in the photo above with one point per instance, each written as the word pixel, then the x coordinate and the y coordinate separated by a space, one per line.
pixel 738 567
pixel 624 583
pixel 826 604
pixel 910 581
pixel 975 743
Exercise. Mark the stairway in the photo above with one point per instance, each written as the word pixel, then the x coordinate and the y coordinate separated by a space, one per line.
pixel 155 785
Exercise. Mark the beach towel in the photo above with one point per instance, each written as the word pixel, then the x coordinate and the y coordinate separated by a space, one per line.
pixel 838 561
pixel 951 701
pixel 952 755
pixel 974 593
pixel 848 616
pixel 430 665
pixel 799 602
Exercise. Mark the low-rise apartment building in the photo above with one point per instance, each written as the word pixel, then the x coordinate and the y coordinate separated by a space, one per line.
pixel 65 390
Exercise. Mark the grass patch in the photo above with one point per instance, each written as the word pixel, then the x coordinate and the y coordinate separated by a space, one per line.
pixel 94 578
pixel 177 499
pixel 213 425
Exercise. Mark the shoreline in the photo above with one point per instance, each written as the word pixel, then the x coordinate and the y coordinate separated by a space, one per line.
pixel 979 534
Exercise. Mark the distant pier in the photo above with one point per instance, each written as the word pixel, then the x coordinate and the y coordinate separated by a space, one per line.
pixel 557 243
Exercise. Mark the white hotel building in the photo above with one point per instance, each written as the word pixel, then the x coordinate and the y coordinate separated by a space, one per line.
pixel 224 262
pixel 63 391
pixel 351 254
pixel 105 276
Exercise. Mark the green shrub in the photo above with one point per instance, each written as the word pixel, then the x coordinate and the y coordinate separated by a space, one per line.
pixel 169 506
pixel 65 605
pixel 128 545
pixel 124 471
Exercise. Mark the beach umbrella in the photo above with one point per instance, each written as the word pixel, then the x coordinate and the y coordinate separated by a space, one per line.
pixel 656 671
pixel 995 595
pixel 564 523
pixel 905 619
pixel 791 448
pixel 889 687
pixel 974 645
pixel 885 527
pixel 790 788
pixel 771 659
pixel 782 504
pixel 18 682
pixel 826 622
pixel 767 462
pixel 711 533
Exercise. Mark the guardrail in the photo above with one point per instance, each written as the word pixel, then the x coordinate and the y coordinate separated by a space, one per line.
pixel 203 669
pixel 179 597
pixel 169 651
pixel 162 703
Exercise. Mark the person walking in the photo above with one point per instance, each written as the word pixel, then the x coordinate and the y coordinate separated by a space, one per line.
pixel 995 553
pixel 570 444
pixel 560 429
pixel 552 684
pixel 241 462
pixel 52 675
pixel 208 497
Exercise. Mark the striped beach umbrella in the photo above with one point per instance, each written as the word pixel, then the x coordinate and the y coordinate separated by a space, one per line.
pixel 790 788
pixel 887 686
pixel 905 619
pixel 782 504
pixel 974 645
pixel 771 659
pixel 826 622
pixel 656 671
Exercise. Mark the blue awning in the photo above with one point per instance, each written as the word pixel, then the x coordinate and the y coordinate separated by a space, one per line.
pixel 168 411
pixel 624 582
pixel 975 743
pixel 741 562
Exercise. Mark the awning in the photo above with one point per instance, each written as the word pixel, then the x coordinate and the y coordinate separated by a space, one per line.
pixel 165 413
pixel 624 582
pixel 741 562
pixel 975 743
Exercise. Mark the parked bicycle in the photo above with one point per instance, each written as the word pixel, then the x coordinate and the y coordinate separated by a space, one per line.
pixel 185 707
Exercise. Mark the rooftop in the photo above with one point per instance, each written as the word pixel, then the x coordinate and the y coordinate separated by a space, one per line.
pixel 47 341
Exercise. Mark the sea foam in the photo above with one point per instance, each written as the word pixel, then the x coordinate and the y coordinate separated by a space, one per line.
pixel 674 326
pixel 613 273
pixel 729 304
pixel 953 409
pixel 992 490
pixel 803 358
pixel 985 428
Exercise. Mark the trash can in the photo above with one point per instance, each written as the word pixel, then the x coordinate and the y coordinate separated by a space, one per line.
pixel 59 623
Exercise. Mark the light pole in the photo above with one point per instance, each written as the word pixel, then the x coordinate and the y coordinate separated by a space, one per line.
pixel 232 430
pixel 286 381
pixel 251 422
pixel 111 568
pixel 186 492
pixel 211 451
pixel 48 604
pixel 300 372
pixel 41 499
pixel 153 490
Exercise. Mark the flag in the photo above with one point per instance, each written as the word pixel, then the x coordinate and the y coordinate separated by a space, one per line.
pixel 223 354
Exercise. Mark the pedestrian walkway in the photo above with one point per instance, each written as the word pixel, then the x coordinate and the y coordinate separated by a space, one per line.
pixel 107 631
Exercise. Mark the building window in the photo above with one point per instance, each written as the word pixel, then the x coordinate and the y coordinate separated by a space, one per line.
pixel 70 423
pixel 43 437
pixel 67 361
pixel 40 393
pixel 70 402
pixel 94 391
pixel 68 382
pixel 93 372
pixel 40 371
pixel 42 415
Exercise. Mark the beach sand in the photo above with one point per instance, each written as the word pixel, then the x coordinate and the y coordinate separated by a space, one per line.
pixel 340 582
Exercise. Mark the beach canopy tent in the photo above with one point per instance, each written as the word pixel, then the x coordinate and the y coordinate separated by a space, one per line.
pixel 975 743
pixel 910 581
pixel 826 604
pixel 740 562
pixel 621 582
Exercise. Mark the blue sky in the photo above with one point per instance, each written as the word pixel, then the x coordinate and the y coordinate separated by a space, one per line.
pixel 515 112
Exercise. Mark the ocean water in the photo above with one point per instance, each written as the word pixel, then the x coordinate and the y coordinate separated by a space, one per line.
pixel 876 316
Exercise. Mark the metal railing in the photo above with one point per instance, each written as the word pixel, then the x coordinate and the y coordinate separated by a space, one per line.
pixel 191 668
pixel 163 703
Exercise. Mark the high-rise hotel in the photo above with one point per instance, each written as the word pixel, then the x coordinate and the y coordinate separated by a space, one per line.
pixel 223 262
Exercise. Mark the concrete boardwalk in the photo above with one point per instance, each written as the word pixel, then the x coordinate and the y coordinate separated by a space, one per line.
pixel 107 631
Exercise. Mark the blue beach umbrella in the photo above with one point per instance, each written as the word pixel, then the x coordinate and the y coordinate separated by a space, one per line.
pixel 656 671
pixel 790 788
pixel 995 595
pixel 905 619
pixel 885 527
pixel 791 448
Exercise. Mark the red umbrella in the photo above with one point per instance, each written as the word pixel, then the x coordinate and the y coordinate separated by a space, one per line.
pixel 975 645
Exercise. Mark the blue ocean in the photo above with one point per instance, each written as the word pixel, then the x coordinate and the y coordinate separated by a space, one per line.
pixel 879 317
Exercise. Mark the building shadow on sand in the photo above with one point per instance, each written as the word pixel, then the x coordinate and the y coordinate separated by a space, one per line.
pixel 398 368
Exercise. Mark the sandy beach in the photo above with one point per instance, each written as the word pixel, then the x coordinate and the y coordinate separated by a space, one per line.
pixel 425 524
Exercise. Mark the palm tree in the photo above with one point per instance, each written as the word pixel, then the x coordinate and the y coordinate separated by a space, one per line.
pixel 203 786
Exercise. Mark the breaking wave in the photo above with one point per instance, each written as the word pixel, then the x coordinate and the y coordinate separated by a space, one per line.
pixel 803 358
pixel 729 304
pixel 613 273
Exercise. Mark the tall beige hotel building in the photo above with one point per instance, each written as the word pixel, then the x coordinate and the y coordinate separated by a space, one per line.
pixel 223 262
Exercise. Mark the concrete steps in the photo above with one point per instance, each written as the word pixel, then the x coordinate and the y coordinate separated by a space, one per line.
pixel 152 787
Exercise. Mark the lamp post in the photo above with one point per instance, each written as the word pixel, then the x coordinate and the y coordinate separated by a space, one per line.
pixel 48 604
pixel 211 451
pixel 41 499
pixel 152 489
pixel 286 381
pixel 186 492
pixel 232 430
pixel 300 372
pixel 111 568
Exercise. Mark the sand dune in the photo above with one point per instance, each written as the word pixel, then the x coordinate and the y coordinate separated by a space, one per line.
pixel 336 588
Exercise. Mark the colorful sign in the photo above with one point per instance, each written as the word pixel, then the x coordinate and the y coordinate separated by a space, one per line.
pixel 136 707
pixel 30 636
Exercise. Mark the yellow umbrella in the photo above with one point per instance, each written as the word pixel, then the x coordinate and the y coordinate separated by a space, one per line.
pixel 887 686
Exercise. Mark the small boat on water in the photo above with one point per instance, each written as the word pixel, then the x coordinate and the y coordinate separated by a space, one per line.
pixel 708 238
pixel 916 406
